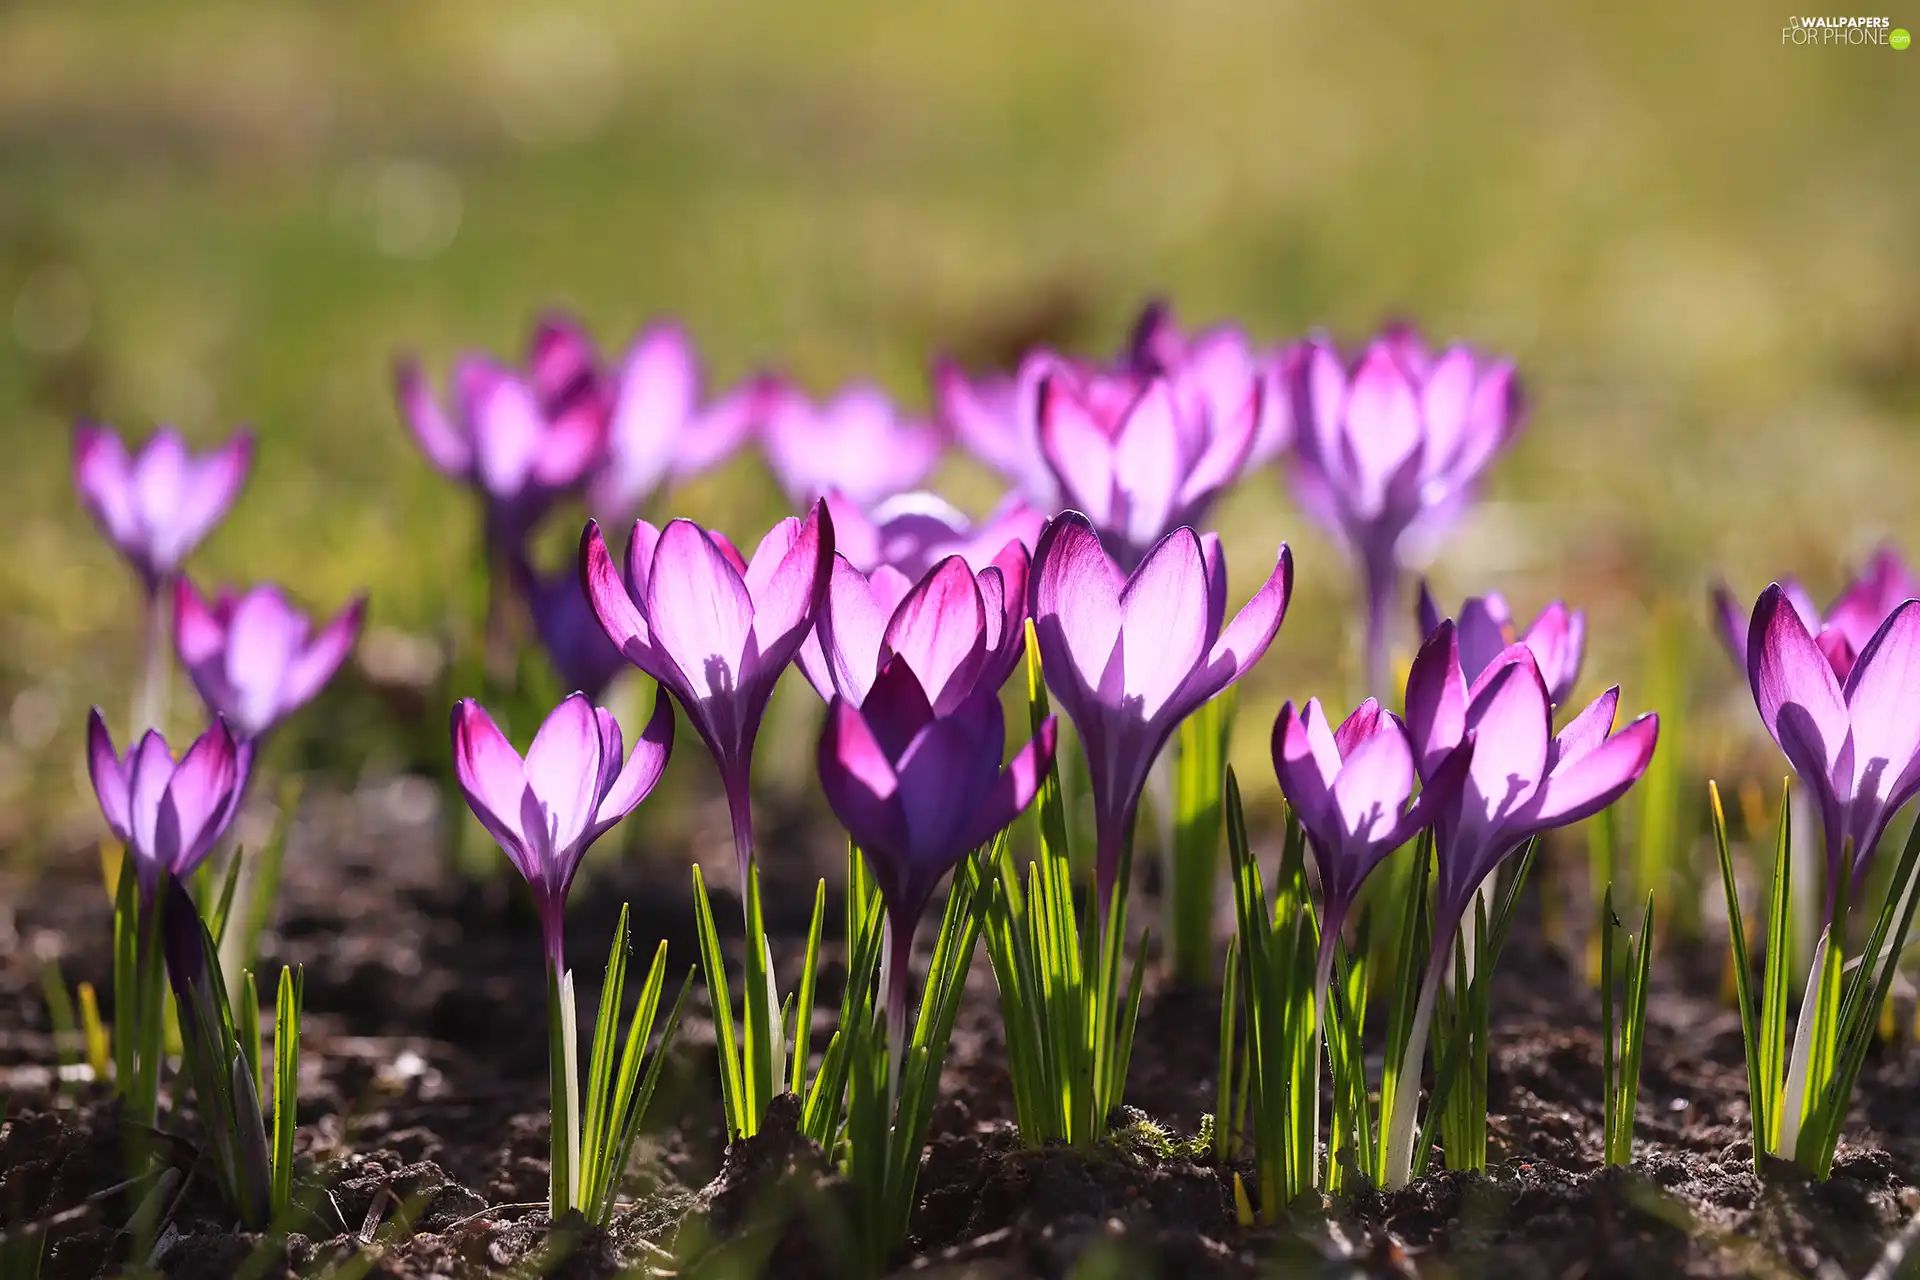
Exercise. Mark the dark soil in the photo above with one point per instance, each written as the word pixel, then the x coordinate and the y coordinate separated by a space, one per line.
pixel 424 1132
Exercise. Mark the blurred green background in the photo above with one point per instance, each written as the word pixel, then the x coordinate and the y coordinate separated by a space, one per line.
pixel 1698 243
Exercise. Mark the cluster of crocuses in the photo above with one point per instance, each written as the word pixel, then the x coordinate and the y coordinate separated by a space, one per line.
pixel 908 619
pixel 254 659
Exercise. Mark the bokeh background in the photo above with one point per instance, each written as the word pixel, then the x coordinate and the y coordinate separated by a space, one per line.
pixel 1698 243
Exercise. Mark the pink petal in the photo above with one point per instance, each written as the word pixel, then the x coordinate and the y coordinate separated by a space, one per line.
pixel 843 653
pixel 1799 698
pixel 1147 466
pixel 787 581
pixel 1589 783
pixel 1436 699
pixel 494 781
pixel 643 768
pixel 323 655
pixel 198 635
pixel 1883 701
pixel 940 629
pixel 149 770
pixel 1247 637
pixel 197 801
pixel 701 612
pixel 563 772
pixel 103 475
pixel 858 780
pixel 1013 790
pixel 1078 451
pixel 618 615
pixel 109 775
pixel 1163 621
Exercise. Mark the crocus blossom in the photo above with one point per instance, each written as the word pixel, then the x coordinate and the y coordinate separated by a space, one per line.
pixel 958 630
pixel 1137 457
pixel 1129 656
pixel 1855 743
pixel 574 784
pixel 1523 779
pixel 858 442
pixel 1350 789
pixel 1848 623
pixel 918 791
pixel 156 506
pixel 662 429
pixel 168 814
pixel 1394 445
pixel 520 440
pixel 1485 627
pixel 1519 780
pixel 254 657
pixel 714 629
pixel 1211 371
pixel 916 530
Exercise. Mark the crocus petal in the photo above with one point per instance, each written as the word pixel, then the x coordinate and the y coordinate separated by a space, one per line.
pixel 1799 699
pixel 1374 783
pixel 1588 783
pixel 1306 761
pixel 940 629
pixel 1163 617
pixel 198 634
pixel 858 780
pixel 317 663
pixel 1146 465
pixel 213 483
pixel 1246 639
pixel 1075 608
pixel 642 770
pixel 448 450
pixel 198 797
pixel 654 398
pixel 493 780
pixel 1589 729
pixel 1013 790
pixel 700 611
pixel 109 775
pixel 149 770
pixel 787 581
pixel 606 591
pixel 1883 702
pixel 842 654
pixel 1436 698
pixel 103 475
pixel 563 772
pixel 1485 629
pixel 1078 450
pixel 1730 622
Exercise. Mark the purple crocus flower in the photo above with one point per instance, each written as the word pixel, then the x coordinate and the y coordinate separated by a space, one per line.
pixel 858 443
pixel 715 630
pixel 1843 631
pixel 1394 445
pixel 1523 780
pixel 1138 457
pixel 1855 743
pixel 661 431
pixel 520 440
pixel 1349 788
pixel 959 631
pixel 157 505
pixel 574 784
pixel 1129 656
pixel 168 815
pixel 254 657
pixel 1485 626
pixel 1211 372
pixel 919 791
pixel 915 531
pixel 1520 780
